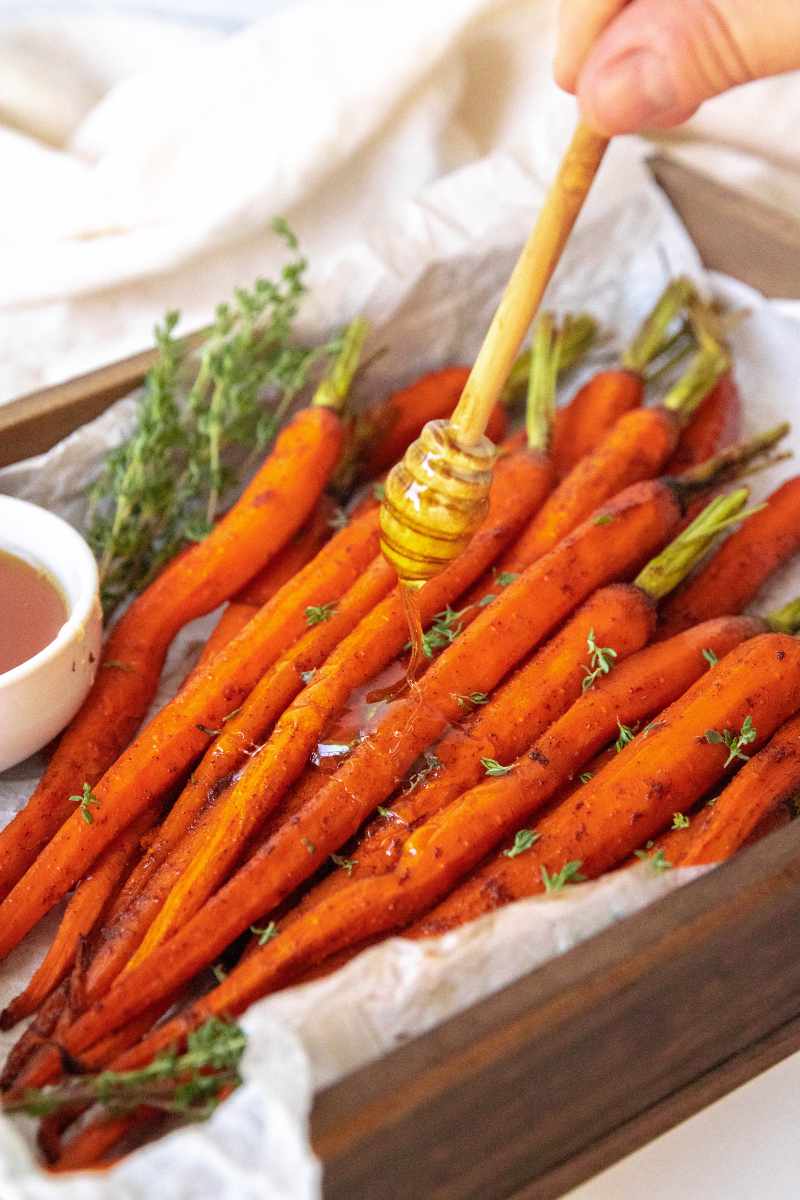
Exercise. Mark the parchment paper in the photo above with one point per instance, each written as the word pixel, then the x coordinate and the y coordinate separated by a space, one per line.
pixel 429 285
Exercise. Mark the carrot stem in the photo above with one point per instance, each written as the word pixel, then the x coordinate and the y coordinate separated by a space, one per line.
pixel 541 407
pixel 335 385
pixel 664 572
pixel 785 619
pixel 729 463
pixel 652 337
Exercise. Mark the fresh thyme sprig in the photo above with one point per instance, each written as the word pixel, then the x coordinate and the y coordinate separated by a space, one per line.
pixel 202 416
pixel 86 801
pixel 523 840
pixel 492 767
pixel 187 1084
pixel 569 874
pixel 658 861
pixel 734 741
pixel 601 660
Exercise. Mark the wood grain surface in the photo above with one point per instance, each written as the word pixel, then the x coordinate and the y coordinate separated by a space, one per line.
pixel 554 1078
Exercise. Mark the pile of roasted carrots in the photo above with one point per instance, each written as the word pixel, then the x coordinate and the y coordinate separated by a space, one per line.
pixel 591 696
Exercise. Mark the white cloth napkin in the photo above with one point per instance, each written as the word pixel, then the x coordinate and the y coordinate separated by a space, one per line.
pixel 142 161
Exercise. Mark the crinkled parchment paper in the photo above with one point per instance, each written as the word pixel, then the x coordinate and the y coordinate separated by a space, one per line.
pixel 429 284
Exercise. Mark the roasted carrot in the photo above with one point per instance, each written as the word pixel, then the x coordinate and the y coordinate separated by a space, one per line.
pixel 597 824
pixel 535 696
pixel 37 1032
pixel 715 424
pixel 506 630
pixel 263 586
pixel 394 424
pixel 92 1144
pixel 594 409
pixel 619 617
pixel 198 866
pixel 582 424
pixel 384 433
pixel 272 507
pixel 179 733
pixel 770 778
pixel 149 887
pixel 738 570
pixel 84 910
pixel 664 770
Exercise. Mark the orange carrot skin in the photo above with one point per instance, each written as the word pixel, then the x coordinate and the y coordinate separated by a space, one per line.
pixel 185 830
pixel 442 849
pixel 84 910
pixel 39 1030
pixel 635 449
pixel 537 694
pixel 92 1144
pixel 400 419
pixel 738 570
pixel 156 760
pixel 644 517
pixel 713 426
pixel 273 506
pixel 594 409
pixel 219 840
pixel 634 797
pixel 770 777
pixel 520 483
pixel 295 555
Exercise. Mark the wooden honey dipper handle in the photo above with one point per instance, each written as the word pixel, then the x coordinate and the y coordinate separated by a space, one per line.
pixel 527 284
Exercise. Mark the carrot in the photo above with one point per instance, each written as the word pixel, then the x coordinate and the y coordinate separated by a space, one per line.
pixel 770 778
pixel 714 425
pixel 384 433
pixel 84 910
pixel 739 569
pixel 263 586
pixel 476 661
pixel 199 865
pixel 175 847
pixel 663 771
pixel 177 735
pixel 91 1145
pixel 388 429
pixel 598 824
pixel 619 616
pixel 511 718
pixel 39 1030
pixel 594 409
pixel 636 448
pixel 273 506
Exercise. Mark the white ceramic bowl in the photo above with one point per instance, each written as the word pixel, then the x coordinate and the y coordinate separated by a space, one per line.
pixel 41 695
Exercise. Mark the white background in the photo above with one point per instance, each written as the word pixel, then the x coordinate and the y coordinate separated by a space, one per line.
pixel 746 1145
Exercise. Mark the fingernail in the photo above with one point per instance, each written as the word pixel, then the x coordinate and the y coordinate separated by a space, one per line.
pixel 630 93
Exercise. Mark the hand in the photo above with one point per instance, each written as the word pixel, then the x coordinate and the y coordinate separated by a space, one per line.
pixel 650 64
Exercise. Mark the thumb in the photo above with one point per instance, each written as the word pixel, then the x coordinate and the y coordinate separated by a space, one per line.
pixel 660 59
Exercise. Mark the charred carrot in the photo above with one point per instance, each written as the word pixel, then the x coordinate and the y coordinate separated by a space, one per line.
pixel 84 910
pixel 738 570
pixel 521 617
pixel 36 1034
pixel 664 770
pixel 273 506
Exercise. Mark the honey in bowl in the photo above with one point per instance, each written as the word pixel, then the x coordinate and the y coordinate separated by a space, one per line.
pixel 32 610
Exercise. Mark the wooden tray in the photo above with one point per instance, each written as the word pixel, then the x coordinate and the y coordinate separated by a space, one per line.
pixel 584 1060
